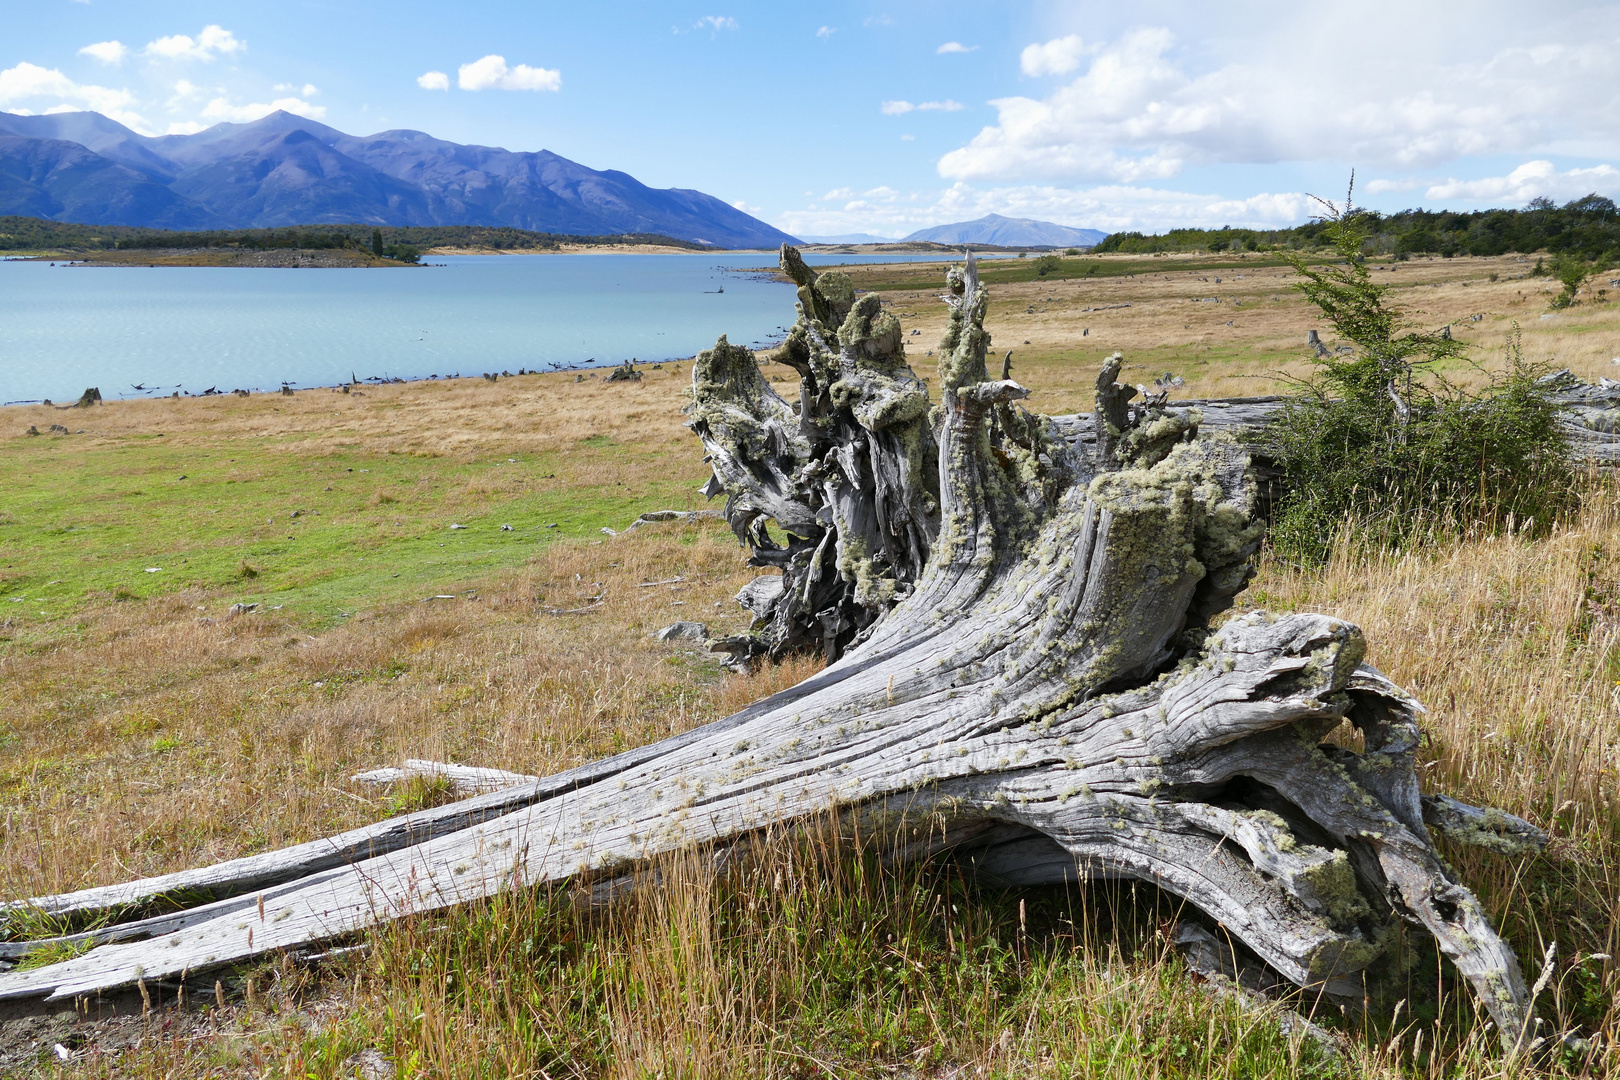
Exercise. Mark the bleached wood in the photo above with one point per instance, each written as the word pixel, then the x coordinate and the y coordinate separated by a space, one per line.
pixel 1041 696
pixel 467 779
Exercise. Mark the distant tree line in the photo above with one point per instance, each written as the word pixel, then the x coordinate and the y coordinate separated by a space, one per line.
pixel 1587 228
pixel 41 234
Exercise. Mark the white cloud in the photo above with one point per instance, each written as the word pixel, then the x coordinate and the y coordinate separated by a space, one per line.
pixel 826 32
pixel 29 82
pixel 220 109
pixel 908 138
pixel 213 41
pixel 1143 109
pixel 433 80
pixel 1381 185
pixel 1110 208
pixel 307 90
pixel 1531 180
pixel 491 73
pixel 1056 57
pixel 752 211
pixel 715 23
pixel 900 108
pixel 955 47
pixel 107 52
pixel 185 127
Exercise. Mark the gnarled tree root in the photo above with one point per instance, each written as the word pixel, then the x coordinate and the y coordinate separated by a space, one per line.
pixel 1046 690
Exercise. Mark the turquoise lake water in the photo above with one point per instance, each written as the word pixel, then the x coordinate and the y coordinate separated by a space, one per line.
pixel 63 328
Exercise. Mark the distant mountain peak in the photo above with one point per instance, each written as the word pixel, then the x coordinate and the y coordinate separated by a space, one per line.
pixel 1009 232
pixel 284 169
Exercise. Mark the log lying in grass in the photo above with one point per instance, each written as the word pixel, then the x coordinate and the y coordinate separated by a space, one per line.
pixel 464 779
pixel 1029 682
pixel 1589 417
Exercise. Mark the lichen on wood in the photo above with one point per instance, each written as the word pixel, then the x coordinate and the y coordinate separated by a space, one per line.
pixel 1026 653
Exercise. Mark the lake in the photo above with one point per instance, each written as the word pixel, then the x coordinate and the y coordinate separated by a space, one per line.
pixel 63 328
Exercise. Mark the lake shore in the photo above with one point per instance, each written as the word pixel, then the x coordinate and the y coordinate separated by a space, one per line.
pixel 265 258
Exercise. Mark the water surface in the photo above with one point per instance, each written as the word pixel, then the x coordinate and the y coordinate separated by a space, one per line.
pixel 63 328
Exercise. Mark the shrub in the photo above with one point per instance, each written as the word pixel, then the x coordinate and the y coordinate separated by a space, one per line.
pixel 1046 264
pixel 1571 271
pixel 1379 442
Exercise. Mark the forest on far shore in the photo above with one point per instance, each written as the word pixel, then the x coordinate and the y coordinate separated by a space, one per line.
pixel 41 234
pixel 1588 227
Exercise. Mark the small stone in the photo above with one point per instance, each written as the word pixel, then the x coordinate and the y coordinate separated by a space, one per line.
pixel 506 528
pixel 458 526
pixel 683 631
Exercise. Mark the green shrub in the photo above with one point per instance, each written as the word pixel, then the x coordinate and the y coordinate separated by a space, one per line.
pixel 1571 271
pixel 1046 264
pixel 1380 443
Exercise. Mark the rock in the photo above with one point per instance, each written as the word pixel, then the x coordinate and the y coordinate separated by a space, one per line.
pixel 240 609
pixel 458 526
pixel 32 430
pixel 506 528
pixel 58 429
pixel 683 631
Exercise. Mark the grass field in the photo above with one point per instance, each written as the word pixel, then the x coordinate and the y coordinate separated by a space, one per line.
pixel 142 729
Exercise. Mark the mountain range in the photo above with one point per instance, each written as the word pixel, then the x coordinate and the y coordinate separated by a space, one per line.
pixel 1009 232
pixel 286 170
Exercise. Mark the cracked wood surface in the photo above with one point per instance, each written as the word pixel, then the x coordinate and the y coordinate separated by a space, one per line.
pixel 1046 697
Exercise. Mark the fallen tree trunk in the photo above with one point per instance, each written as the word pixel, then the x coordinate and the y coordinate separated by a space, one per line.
pixel 1024 670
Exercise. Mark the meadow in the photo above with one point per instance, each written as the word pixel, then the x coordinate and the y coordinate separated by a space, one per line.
pixel 144 728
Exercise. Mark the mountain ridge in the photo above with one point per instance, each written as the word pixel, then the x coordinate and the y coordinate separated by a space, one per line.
pixel 284 170
pixel 1009 232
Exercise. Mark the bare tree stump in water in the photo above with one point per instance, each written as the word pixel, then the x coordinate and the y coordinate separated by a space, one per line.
pixel 1023 658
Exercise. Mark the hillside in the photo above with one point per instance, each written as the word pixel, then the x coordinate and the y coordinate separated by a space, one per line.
pixel 286 170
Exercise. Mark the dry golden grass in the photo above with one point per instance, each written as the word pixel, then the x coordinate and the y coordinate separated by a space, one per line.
pixel 150 740
pixel 144 740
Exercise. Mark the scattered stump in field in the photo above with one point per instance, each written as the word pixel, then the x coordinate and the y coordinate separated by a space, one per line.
pixel 1026 674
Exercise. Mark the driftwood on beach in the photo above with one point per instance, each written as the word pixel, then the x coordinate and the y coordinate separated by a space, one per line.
pixel 1026 666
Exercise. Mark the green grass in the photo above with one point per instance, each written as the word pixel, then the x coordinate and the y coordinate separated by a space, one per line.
pixel 82 521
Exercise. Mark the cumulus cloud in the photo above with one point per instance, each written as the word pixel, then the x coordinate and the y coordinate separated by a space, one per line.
pixel 107 52
pixel 1110 208
pixel 1531 180
pixel 491 73
pixel 307 90
pixel 29 83
pixel 221 109
pixel 826 32
pixel 1141 108
pixel 213 41
pixel 715 23
pixel 433 80
pixel 955 47
pixel 900 108
pixel 1056 57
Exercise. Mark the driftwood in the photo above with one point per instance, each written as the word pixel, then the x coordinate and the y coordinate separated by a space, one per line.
pixel 1024 672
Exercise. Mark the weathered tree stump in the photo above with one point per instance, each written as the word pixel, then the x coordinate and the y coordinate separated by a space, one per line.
pixel 1020 626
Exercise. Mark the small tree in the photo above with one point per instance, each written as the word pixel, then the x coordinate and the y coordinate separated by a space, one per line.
pixel 1380 441
pixel 1572 271
pixel 1046 264
pixel 376 243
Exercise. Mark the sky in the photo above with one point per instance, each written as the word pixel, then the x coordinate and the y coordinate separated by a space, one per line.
pixel 883 118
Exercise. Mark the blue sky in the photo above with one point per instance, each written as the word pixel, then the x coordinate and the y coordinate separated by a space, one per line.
pixel 887 117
